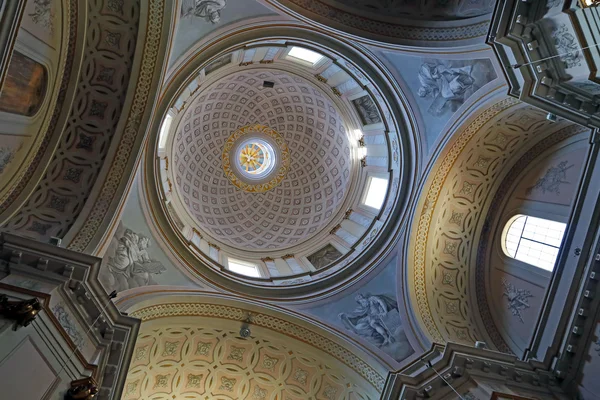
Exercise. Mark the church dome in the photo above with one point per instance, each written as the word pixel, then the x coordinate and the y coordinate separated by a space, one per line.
pixel 278 163
pixel 261 167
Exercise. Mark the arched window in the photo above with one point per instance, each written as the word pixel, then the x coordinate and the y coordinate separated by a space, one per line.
pixel 535 241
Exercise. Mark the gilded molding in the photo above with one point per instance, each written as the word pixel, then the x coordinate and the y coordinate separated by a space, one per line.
pixel 259 187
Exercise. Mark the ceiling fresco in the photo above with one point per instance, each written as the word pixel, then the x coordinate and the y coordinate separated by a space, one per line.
pixel 440 86
pixel 371 314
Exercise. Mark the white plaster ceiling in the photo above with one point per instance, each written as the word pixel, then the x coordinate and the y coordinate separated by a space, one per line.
pixel 319 173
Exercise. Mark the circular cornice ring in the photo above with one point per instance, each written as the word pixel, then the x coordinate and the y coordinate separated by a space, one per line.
pixel 283 159
pixel 379 240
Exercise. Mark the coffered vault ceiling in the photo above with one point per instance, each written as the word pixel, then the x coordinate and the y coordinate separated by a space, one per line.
pixel 447 226
pixel 194 351
pixel 311 191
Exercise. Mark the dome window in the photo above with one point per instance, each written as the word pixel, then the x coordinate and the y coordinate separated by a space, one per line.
pixel 535 241
pixel 305 55
pixel 164 131
pixel 243 268
pixel 376 191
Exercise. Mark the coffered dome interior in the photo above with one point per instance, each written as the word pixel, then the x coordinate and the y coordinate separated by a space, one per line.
pixel 279 163
pixel 314 185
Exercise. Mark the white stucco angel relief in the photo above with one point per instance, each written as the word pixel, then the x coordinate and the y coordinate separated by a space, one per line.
pixel 449 87
pixel 367 320
pixel 210 10
pixel 129 265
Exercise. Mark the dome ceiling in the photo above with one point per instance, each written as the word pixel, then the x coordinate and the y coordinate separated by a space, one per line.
pixel 311 190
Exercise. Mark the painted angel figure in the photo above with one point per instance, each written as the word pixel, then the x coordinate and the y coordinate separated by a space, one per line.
pixel 367 319
pixel 131 266
pixel 449 87
pixel 210 10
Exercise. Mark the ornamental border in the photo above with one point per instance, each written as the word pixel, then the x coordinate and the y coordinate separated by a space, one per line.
pixel 259 187
pixel 426 211
pixel 110 186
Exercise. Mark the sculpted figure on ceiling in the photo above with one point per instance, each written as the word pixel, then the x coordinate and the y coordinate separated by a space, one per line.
pixel 367 320
pixel 448 86
pixel 210 10
pixel 130 265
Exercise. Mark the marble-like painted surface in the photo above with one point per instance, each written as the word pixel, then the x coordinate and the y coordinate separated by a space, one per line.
pixel 370 314
pixel 198 18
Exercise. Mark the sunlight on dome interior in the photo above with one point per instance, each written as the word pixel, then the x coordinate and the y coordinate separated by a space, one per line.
pixel 376 192
pixel 164 131
pixel 242 268
pixel 535 241
pixel 305 55
pixel 256 157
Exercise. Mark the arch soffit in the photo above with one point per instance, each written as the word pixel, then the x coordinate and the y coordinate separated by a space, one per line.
pixel 450 212
pixel 16 188
pixel 208 52
pixel 388 32
pixel 275 321
pixel 563 140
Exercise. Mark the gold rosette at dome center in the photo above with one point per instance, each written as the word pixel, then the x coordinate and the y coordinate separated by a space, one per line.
pixel 254 158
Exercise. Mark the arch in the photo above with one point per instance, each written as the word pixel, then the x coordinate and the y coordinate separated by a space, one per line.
pixel 218 318
pixel 409 27
pixel 448 222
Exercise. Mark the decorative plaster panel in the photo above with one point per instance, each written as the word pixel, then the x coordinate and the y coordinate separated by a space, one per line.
pixel 126 149
pixel 191 360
